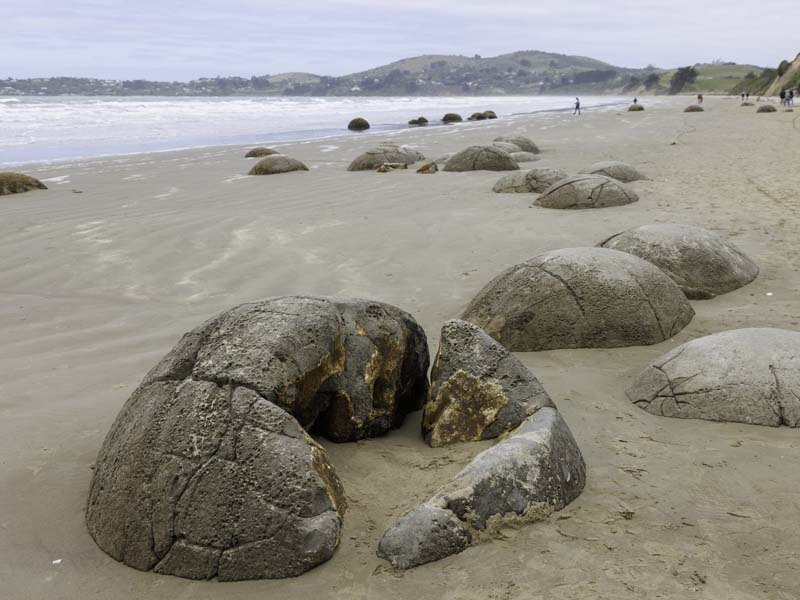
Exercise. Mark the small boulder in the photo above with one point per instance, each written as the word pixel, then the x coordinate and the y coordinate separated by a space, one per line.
pixel 452 118
pixel 521 156
pixel 533 181
pixel 747 104
pixel 741 376
pixel 481 158
pixel 702 263
pixel 17 183
pixel 260 152
pixel 385 153
pixel 428 168
pixel 277 163
pixel 766 108
pixel 418 121
pixel 580 298
pixel 358 124
pixel 525 144
pixel 479 390
pixel 635 108
pixel 693 108
pixel 489 114
pixel 478 116
pixel 616 170
pixel 524 478
pixel 507 147
pixel 586 191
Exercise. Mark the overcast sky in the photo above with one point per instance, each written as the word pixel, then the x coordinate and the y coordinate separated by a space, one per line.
pixel 177 39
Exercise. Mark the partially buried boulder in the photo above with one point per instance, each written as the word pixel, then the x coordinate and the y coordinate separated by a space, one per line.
pixel 17 183
pixel 702 263
pixel 275 164
pixel 747 104
pixel 507 147
pixel 418 121
pixel 766 108
pixel 479 390
pixel 524 143
pixel 428 168
pixel 743 376
pixel 693 108
pixel 586 191
pixel 521 157
pixel 635 108
pixel 533 181
pixel 358 124
pixel 481 158
pixel 478 116
pixel 260 151
pixel 207 470
pixel 580 298
pixel 524 478
pixel 489 114
pixel 385 153
pixel 452 118
pixel 616 170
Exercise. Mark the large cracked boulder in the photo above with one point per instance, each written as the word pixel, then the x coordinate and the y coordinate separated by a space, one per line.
pixel 275 164
pixel 207 470
pixel 17 183
pixel 524 143
pixel 534 181
pixel 507 147
pixel 479 390
pixel 260 152
pixel 616 170
pixel 743 376
pixel 527 476
pixel 580 298
pixel 702 263
pixel 586 191
pixel 481 158
pixel 385 154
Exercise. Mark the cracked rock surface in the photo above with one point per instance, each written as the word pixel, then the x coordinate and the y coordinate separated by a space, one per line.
pixel 702 263
pixel 17 183
pixel 481 158
pixel 743 375
pixel 506 147
pixel 208 470
pixel 479 390
pixel 534 181
pixel 523 478
pixel 384 153
pixel 275 164
pixel 580 298
pixel 523 143
pixel 586 191
pixel 616 170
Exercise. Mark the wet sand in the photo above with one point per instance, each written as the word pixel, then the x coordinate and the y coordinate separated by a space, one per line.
pixel 96 286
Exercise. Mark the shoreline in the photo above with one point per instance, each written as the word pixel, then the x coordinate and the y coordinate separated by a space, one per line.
pixel 111 265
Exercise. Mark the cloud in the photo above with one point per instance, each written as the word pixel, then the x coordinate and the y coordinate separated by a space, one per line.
pixel 180 40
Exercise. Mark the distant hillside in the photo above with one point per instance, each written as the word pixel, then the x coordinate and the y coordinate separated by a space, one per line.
pixel 770 82
pixel 524 73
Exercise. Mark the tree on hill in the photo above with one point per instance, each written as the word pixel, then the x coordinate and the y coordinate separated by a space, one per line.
pixel 651 80
pixel 682 77
pixel 783 67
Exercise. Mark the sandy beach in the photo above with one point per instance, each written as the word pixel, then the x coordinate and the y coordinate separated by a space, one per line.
pixel 103 272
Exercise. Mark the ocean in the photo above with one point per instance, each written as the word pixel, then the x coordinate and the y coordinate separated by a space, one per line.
pixel 47 129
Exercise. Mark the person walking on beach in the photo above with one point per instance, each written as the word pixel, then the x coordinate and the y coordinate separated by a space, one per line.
pixel 791 97
pixel 577 110
pixel 747 96
pixel 699 98
pixel 636 101
pixel 783 97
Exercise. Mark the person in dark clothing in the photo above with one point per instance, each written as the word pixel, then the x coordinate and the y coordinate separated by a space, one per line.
pixel 636 101
pixel 577 110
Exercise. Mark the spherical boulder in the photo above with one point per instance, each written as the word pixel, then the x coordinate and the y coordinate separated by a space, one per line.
pixel 208 471
pixel 580 298
pixel 481 158
pixel 489 114
pixel 507 147
pixel 260 152
pixel 358 124
pixel 478 116
pixel 766 108
pixel 383 154
pixel 452 118
pixel 635 108
pixel 616 170
pixel 525 144
pixel 418 121
pixel 17 183
pixel 742 376
pixel 277 163
pixel 702 263
pixel 693 108
pixel 533 181
pixel 586 191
